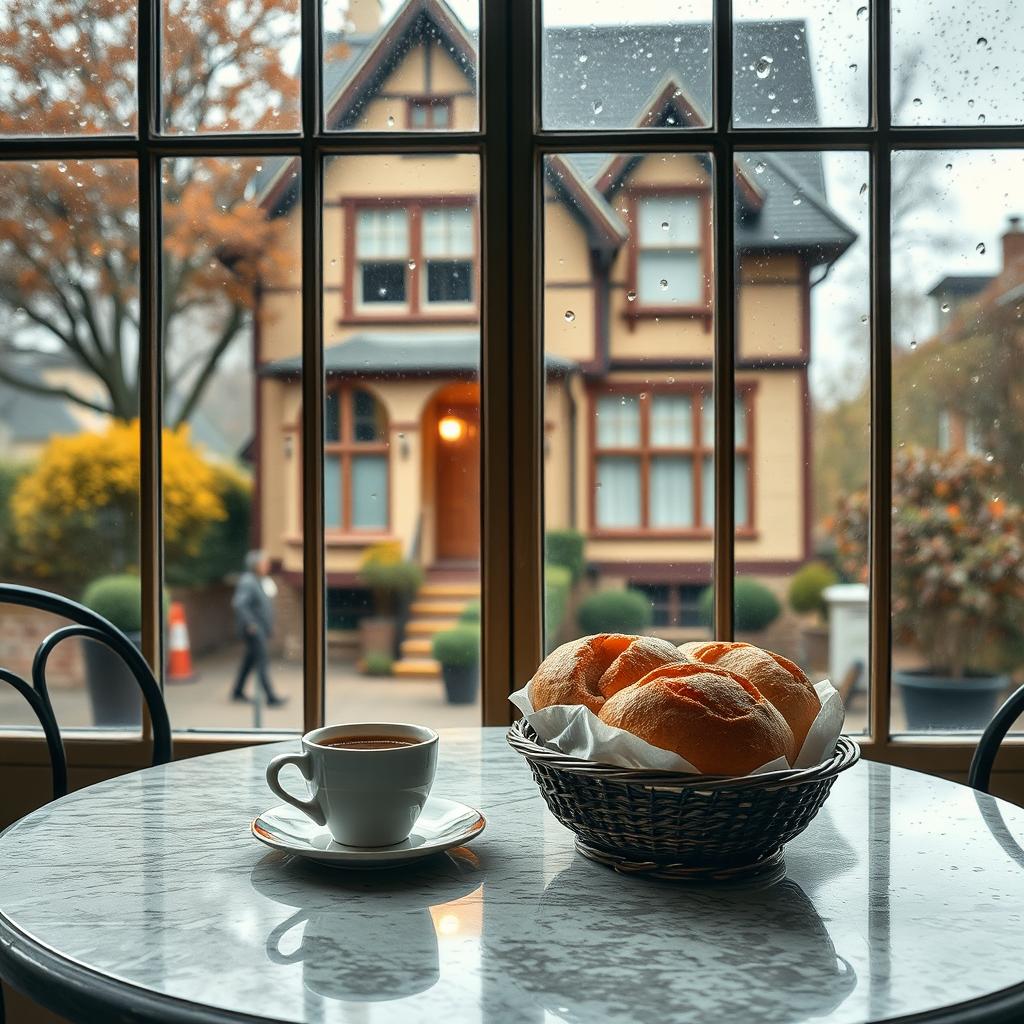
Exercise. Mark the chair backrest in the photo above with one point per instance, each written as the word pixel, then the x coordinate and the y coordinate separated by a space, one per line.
pixel 86 623
pixel 980 773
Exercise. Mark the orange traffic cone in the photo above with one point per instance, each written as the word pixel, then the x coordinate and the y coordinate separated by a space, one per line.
pixel 179 652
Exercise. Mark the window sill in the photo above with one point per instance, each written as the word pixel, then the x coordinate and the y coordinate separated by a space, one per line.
pixel 408 319
pixel 339 539
pixel 697 533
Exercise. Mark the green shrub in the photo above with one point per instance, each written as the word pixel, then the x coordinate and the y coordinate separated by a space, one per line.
pixel 389 575
pixel 565 548
pixel 615 611
pixel 808 586
pixel 457 648
pixel 471 614
pixel 376 663
pixel 557 584
pixel 10 474
pixel 118 599
pixel 756 607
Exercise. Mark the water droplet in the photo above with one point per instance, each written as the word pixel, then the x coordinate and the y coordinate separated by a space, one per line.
pixel 412 264
pixel 664 225
pixel 862 13
pixel 664 285
pixel 944 307
pixel 949 167
pixel 570 316
pixel 982 41
pixel 763 67
pixel 583 58
pixel 918 101
pixel 775 235
pixel 631 296
pixel 913 344
pixel 382 292
pixel 989 457
pixel 864 188
pixel 598 106
pixel 334 263
pixel 975 379
pixel 980 248
pixel 981 119
pixel 391 120
pixel 797 201
pixel 62 167
pixel 759 167
pixel 853 67
pixel 864 318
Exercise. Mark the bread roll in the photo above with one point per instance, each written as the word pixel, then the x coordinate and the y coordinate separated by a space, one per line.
pixel 589 670
pixel 716 720
pixel 782 682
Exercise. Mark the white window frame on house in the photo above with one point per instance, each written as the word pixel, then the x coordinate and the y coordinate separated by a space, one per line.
pixel 447 249
pixel 512 146
pixel 388 243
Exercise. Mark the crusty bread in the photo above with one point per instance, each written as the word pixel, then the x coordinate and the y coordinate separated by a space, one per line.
pixel 782 682
pixel 716 720
pixel 589 670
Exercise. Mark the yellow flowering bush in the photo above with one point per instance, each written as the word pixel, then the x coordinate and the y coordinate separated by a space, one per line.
pixel 76 514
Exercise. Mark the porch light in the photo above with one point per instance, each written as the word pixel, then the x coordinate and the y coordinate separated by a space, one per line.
pixel 451 428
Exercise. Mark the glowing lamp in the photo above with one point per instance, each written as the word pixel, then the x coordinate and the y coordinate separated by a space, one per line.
pixel 451 428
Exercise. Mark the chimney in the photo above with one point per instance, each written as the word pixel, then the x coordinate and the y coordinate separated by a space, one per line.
pixel 1013 242
pixel 364 16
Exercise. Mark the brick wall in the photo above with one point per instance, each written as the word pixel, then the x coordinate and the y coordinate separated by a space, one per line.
pixel 22 630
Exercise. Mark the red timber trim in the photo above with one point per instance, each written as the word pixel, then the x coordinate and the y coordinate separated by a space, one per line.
pixel 606 233
pixel 645 452
pixel 636 310
pixel 413 312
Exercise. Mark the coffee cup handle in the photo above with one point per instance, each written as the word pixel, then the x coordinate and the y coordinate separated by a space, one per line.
pixel 305 765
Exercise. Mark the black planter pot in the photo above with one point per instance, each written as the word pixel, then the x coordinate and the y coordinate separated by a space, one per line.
pixel 461 682
pixel 113 691
pixel 947 703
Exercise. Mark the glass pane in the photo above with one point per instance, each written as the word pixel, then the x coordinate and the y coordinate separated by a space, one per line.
pixel 668 278
pixel 229 67
pixel 957 63
pixel 392 66
pixel 604 67
pixel 369 492
pixel 67 67
pixel 617 493
pixel 232 451
pixel 958 500
pixel 805 65
pixel 332 417
pixel 622 467
pixel 618 421
pixel 333 492
pixel 671 492
pixel 671 421
pixel 404 564
pixel 802 415
pixel 69 434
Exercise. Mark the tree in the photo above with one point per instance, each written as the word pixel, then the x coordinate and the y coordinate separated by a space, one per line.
pixel 69 248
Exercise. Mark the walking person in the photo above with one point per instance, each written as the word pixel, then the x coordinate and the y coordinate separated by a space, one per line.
pixel 253 604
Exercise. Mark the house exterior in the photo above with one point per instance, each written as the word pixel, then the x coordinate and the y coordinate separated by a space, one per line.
pixel 628 329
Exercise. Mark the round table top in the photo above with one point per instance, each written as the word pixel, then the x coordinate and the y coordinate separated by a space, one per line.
pixel 147 894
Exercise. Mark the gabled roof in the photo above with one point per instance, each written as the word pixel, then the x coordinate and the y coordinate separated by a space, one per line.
pixel 962 284
pixel 384 353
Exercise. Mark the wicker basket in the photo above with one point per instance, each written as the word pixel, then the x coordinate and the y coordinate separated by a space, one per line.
pixel 674 825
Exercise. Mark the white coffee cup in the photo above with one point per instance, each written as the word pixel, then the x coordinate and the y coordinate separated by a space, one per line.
pixel 365 796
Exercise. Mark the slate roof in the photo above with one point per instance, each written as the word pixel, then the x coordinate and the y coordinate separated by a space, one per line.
pixel 398 353
pixel 962 284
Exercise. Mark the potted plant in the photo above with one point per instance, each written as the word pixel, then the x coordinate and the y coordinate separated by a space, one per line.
pixel 807 597
pixel 958 583
pixel 756 607
pixel 113 691
pixel 393 580
pixel 458 651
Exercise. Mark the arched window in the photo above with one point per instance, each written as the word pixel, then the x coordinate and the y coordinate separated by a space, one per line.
pixel 356 470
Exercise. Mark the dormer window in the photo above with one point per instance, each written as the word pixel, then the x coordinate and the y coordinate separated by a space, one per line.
pixel 430 112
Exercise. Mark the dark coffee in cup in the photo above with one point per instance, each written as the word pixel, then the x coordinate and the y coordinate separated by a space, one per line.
pixel 369 742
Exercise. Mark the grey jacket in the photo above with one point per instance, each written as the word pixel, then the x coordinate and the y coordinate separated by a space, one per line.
pixel 252 605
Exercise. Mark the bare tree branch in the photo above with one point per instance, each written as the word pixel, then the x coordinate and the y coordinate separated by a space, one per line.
pixel 50 391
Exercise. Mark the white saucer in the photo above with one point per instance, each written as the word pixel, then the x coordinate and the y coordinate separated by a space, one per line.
pixel 442 825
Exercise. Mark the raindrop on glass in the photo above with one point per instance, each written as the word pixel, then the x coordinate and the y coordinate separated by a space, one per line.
pixel 391 120
pixel 980 248
pixel 763 67
pixel 913 344
pixel 944 307
pixel 569 316
pixel 759 167
pixel 864 188
pixel 598 106
pixel 862 12
pixel 797 201
pixel 982 41
pixel 583 58
pixel 664 285
pixel 664 225
pixel 412 264
pixel 864 318
pixel 631 296
pixel 989 457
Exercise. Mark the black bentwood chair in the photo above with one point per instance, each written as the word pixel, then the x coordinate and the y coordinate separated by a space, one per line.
pixel 88 624
pixel 980 774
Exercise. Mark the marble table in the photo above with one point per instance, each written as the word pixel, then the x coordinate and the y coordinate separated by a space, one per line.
pixel 145 899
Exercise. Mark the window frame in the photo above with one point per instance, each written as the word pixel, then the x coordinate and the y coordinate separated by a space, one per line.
pixel 347 449
pixel 415 309
pixel 640 310
pixel 646 452
pixel 512 145
pixel 430 103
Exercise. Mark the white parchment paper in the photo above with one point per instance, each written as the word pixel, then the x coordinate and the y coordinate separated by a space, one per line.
pixel 575 730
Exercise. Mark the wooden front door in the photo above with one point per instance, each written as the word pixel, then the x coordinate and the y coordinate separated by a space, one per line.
pixel 458 486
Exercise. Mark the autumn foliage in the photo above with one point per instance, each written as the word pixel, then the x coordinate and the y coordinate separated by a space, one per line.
pixel 69 230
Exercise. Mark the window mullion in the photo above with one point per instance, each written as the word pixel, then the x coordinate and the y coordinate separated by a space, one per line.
pixel 880 524
pixel 313 385
pixel 724 370
pixel 150 344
